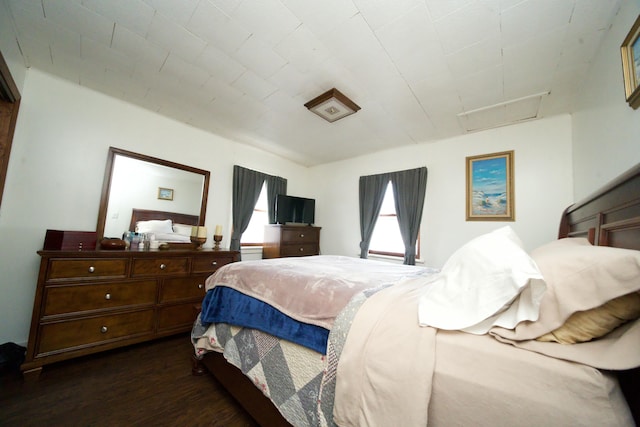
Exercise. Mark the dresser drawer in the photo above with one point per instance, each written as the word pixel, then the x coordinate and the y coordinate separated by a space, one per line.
pixel 300 249
pixel 160 266
pixel 89 268
pixel 76 298
pixel 304 235
pixel 180 288
pixel 68 335
pixel 176 317
pixel 209 264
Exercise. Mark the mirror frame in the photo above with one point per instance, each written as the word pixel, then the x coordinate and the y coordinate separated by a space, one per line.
pixel 106 185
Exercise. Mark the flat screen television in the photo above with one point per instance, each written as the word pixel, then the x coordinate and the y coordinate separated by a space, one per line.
pixel 291 209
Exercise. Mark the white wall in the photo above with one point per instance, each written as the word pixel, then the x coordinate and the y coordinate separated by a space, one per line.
pixel 543 187
pixel 57 166
pixel 606 131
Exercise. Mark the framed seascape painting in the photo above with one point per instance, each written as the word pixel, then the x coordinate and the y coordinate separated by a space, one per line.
pixel 165 193
pixel 490 187
pixel 630 51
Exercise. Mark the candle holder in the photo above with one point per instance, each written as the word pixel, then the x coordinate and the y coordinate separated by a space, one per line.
pixel 198 241
pixel 216 242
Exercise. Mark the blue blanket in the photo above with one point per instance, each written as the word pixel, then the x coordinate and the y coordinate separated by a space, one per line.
pixel 225 305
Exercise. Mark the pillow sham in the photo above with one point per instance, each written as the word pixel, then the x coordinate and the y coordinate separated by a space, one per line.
pixel 489 281
pixel 182 229
pixel 583 326
pixel 579 277
pixel 154 226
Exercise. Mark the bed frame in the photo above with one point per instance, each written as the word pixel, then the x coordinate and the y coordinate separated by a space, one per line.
pixel 146 215
pixel 608 217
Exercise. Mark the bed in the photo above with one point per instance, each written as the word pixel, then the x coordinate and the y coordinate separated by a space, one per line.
pixel 494 378
pixel 170 228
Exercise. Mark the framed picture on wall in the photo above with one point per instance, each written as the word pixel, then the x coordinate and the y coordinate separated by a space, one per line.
pixel 630 51
pixel 490 195
pixel 165 193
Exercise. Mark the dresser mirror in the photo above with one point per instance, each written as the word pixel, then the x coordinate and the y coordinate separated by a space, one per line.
pixel 136 181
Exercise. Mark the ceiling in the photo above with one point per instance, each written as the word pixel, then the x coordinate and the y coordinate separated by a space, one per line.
pixel 421 70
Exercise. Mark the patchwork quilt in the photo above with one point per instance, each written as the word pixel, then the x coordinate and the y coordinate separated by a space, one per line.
pixel 299 381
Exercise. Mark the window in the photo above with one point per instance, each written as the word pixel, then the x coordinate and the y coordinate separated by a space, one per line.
pixel 386 238
pixel 254 234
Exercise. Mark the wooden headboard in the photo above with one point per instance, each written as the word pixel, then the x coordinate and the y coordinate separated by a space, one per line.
pixel 611 217
pixel 176 218
pixel 608 217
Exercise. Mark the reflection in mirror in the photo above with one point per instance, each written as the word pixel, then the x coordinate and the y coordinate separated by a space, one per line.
pixel 133 181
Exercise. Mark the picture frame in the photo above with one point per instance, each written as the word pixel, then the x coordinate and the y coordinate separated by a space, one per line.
pixel 630 52
pixel 490 187
pixel 165 193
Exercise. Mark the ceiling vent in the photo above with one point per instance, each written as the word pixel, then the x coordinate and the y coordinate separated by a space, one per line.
pixel 504 113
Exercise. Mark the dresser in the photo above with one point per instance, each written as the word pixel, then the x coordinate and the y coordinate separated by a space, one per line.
pixel 290 240
pixel 91 301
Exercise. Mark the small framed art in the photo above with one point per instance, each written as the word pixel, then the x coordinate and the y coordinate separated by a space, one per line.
pixel 490 193
pixel 630 51
pixel 165 193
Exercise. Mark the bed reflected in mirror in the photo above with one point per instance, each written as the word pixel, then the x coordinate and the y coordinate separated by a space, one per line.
pixel 136 181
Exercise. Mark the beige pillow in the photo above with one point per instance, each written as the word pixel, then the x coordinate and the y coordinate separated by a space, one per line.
pixel 579 277
pixel 586 325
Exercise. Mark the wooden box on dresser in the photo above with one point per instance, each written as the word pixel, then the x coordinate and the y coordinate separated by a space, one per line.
pixel 290 240
pixel 91 301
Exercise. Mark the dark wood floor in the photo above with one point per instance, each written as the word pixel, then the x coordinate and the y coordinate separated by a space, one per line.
pixel 147 384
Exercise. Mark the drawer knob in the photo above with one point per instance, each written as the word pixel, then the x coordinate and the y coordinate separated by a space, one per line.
pixel 301 235
pixel 92 269
pixel 301 249
pixel 103 329
pixel 214 263
pixel 200 286
pixel 107 296
pixel 163 266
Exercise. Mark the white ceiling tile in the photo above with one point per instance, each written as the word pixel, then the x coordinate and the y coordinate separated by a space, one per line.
pixel 485 54
pixel 481 89
pixel 178 11
pixel 533 18
pixel 227 6
pixel 98 53
pixel 220 65
pixel 302 49
pixel 378 13
pixel 322 16
pixel 259 58
pixel 214 26
pixel 175 38
pixel 138 49
pixel 254 85
pixel 185 73
pixel 76 17
pixel 439 9
pixel 293 82
pixel 132 14
pixel 269 20
pixel 469 25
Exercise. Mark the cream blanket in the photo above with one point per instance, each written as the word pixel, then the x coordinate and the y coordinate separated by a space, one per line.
pixel 310 289
pixel 366 395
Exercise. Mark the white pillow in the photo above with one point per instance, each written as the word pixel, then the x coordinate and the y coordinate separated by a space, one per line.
pixel 489 281
pixel 182 229
pixel 157 226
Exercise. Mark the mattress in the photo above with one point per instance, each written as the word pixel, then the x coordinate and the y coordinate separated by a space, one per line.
pixel 504 385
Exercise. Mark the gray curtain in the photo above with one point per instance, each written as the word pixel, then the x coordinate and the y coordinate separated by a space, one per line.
pixel 275 185
pixel 247 185
pixel 372 189
pixel 409 189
